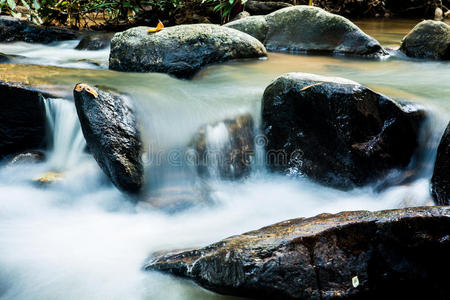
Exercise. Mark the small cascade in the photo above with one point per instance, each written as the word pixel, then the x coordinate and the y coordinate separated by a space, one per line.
pixel 217 141
pixel 68 141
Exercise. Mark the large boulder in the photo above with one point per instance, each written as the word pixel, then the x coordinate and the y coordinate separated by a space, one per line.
pixel 336 131
pixel 29 157
pixel 224 150
pixel 12 30
pixel 398 254
pixel 440 182
pixel 429 39
pixel 110 128
pixel 22 118
pixel 309 29
pixel 180 50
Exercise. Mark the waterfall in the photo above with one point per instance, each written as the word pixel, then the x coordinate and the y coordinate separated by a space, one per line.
pixel 217 141
pixel 68 142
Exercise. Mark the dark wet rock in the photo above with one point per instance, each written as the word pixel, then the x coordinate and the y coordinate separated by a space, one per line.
pixel 22 118
pixel 4 58
pixel 429 40
pixel 95 42
pixel 336 131
pixel 264 7
pixel 255 26
pixel 30 157
pixel 180 50
pixel 12 30
pixel 440 182
pixel 350 255
pixel 225 149
pixel 110 128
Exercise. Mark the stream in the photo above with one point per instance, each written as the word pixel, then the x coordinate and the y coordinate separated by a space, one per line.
pixel 80 238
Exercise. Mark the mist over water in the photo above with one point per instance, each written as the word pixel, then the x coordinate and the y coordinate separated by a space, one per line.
pixel 80 238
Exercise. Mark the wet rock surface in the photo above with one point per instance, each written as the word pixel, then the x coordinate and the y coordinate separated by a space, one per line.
pixel 309 29
pixel 225 149
pixel 428 40
pixel 180 50
pixel 30 157
pixel 336 131
pixel 440 182
pixel 22 118
pixel 12 30
pixel 350 255
pixel 110 128
pixel 95 42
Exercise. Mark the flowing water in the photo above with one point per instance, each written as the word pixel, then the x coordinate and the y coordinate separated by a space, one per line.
pixel 79 238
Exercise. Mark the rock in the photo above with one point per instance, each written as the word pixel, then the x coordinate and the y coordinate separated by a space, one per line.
pixel 224 150
pixel 30 157
pixel 242 15
pixel 22 118
pixel 336 131
pixel 48 177
pixel 180 50
pixel 440 182
pixel 95 42
pixel 12 30
pixel 264 7
pixel 438 14
pixel 4 58
pixel 309 29
pixel 256 26
pixel 397 254
pixel 110 129
pixel 429 40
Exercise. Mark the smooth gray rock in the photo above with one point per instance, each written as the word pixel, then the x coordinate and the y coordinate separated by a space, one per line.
pixel 309 29
pixel 428 39
pixel 255 26
pixel 180 50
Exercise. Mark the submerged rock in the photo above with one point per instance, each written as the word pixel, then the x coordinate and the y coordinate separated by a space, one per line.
pixel 336 131
pixel 309 29
pixel 22 118
pixel 180 50
pixel 429 39
pixel 30 157
pixel 440 182
pixel 48 178
pixel 95 42
pixel 110 128
pixel 12 30
pixel 225 149
pixel 357 255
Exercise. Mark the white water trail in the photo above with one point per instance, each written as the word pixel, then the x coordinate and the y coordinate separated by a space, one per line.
pixel 68 140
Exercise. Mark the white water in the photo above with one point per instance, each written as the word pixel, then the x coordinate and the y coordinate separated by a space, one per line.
pixel 68 140
pixel 79 238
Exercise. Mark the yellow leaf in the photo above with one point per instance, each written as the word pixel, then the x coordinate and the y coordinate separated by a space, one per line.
pixel 310 86
pixel 157 28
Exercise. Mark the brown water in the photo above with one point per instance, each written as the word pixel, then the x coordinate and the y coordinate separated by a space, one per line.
pixel 80 239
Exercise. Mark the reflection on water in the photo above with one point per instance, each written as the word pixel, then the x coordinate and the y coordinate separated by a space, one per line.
pixel 80 238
